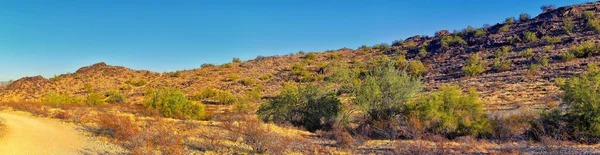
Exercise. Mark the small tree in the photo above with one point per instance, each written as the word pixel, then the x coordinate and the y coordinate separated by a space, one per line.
pixel 309 107
pixel 450 112
pixel 236 60
pixel 524 17
pixel 384 92
pixel 474 65
pixel 416 68
pixel 94 99
pixel 171 102
pixel 548 7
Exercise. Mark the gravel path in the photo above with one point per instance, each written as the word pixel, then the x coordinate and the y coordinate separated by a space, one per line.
pixel 31 135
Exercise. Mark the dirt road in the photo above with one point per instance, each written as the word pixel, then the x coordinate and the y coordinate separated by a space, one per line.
pixel 31 135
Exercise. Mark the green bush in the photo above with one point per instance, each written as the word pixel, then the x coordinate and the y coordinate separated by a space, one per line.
pixel 450 112
pixel 175 74
pixel 581 119
pixel 236 60
pixel 384 91
pixel 423 52
pixel 309 107
pixel 474 65
pixel 224 97
pixel 204 94
pixel 501 64
pixel 248 81
pixel 115 96
pixel 589 15
pixel 227 65
pixel 94 99
pixel 543 61
pixel 524 17
pixel 171 102
pixel 502 52
pixel 333 56
pixel 594 24
pixel 416 68
pixel 530 36
pixel 551 40
pixel 247 101
pixel 504 28
pixel 233 77
pixel 206 65
pixel 480 33
pixel 509 20
pixel 401 62
pixel 585 49
pixel 310 56
pixel 527 53
pixel 566 56
pixel 56 99
pixel 137 83
pixel 265 77
pixel 448 41
pixel 568 25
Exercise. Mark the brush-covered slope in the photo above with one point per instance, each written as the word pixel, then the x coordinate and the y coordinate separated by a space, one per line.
pixel 518 84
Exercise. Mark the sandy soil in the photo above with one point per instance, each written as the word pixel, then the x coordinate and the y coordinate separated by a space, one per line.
pixel 31 135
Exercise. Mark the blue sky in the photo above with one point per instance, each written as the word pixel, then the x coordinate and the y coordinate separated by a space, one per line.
pixel 55 37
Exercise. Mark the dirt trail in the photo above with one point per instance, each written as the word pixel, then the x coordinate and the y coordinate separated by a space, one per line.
pixel 30 135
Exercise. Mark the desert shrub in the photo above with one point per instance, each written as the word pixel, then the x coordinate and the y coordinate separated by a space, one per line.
pixel 236 60
pixel 480 33
pixel 310 56
pixel 382 47
pixel 345 78
pixel 422 52
pixel 308 107
pixel 233 77
pixel 534 67
pixel 504 28
pixel 530 36
pixel 527 53
pixel 585 49
pixel 568 25
pixel 364 48
pixel 589 15
pixel 171 102
pixel 448 41
pixel 410 45
pixel 94 99
pixel 543 61
pixel 401 62
pixel 551 40
pixel 115 96
pixel 509 20
pixel 227 65
pixel 566 56
pixel 247 101
pixel 120 127
pixel 501 64
pixel 333 56
pixel 206 65
pixel 56 99
pixel 548 7
pixel 594 24
pixel 583 113
pixel 248 81
pixel 224 97
pixel 416 68
pixel 474 65
pixel 511 127
pixel 524 17
pixel 204 94
pixel 450 112
pixel 302 73
pixel 384 91
pixel 137 83
pixel 265 77
pixel 175 74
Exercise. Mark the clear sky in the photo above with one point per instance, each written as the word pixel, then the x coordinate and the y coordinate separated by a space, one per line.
pixel 54 37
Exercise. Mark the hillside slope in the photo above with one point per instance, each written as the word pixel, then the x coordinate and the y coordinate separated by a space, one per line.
pixel 511 87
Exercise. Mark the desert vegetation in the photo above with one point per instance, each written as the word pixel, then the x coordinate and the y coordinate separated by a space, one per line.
pixel 527 85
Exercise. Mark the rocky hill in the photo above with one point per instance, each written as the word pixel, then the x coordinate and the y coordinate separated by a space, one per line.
pixel 525 81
